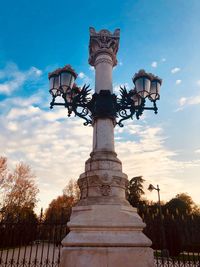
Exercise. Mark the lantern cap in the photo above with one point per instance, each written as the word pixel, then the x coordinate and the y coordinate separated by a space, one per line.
pixel 66 68
pixel 156 78
pixel 141 73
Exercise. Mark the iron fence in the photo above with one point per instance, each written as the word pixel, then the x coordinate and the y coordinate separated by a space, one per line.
pixel 184 259
pixel 31 243
pixel 37 243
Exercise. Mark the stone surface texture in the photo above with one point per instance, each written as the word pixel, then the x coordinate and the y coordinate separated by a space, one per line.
pixel 105 231
pixel 107 257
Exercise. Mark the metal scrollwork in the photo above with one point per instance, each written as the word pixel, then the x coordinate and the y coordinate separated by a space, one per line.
pixel 104 105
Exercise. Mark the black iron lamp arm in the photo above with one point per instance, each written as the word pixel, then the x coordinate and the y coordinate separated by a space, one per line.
pixel 104 105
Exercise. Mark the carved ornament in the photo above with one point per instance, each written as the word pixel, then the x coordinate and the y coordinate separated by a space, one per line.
pixel 103 42
pixel 105 190
pixel 102 184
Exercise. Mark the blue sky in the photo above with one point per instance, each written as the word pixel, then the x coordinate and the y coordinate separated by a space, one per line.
pixel 160 36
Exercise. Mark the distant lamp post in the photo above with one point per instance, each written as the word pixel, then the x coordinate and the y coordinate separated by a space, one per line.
pixel 164 249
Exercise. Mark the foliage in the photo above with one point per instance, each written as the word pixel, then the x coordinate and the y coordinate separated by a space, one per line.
pixel 17 228
pixel 18 192
pixel 72 190
pixel 190 204
pixel 60 208
pixel 19 189
pixel 4 176
pixel 183 204
pixel 135 190
pixel 181 227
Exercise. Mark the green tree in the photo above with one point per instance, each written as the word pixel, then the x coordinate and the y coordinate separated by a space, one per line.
pixel 135 190
pixel 183 204
pixel 189 203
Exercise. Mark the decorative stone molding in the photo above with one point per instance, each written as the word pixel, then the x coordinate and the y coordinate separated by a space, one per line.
pixel 101 184
pixel 103 60
pixel 83 186
pixel 121 182
pixel 103 42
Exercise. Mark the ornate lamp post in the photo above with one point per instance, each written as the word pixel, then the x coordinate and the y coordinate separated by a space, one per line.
pixel 104 229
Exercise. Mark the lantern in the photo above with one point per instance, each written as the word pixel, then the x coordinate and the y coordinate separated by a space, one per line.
pixel 67 77
pixel 142 81
pixel 54 84
pixel 155 89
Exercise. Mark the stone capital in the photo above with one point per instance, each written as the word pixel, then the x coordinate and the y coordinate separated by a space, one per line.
pixel 103 42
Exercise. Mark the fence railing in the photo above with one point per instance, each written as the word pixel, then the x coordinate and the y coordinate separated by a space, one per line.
pixel 31 244
pixel 37 243
pixel 184 259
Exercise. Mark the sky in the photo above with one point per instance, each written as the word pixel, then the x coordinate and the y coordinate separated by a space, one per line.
pixel 160 36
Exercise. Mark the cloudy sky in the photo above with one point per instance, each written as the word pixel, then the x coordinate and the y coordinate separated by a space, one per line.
pixel 161 36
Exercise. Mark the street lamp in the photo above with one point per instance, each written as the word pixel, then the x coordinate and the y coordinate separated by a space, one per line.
pixel 103 226
pixel 164 249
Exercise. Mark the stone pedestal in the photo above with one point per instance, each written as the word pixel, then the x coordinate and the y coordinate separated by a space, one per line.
pixel 105 231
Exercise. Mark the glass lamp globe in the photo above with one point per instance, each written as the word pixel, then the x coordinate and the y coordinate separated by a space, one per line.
pixel 142 81
pixel 67 77
pixel 155 89
pixel 54 84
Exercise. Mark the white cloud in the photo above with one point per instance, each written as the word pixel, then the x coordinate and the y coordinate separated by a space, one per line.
pixel 12 126
pixel 91 68
pixel 182 101
pixel 197 151
pixel 34 70
pixel 20 112
pixel 175 70
pixel 198 82
pixel 57 150
pixel 53 149
pixel 186 101
pixel 149 157
pixel 154 64
pixel 12 78
pixel 81 75
pixel 84 78
pixel 178 82
pixel 116 87
pixel 56 147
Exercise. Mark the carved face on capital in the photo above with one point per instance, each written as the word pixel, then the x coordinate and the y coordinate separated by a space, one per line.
pixel 104 36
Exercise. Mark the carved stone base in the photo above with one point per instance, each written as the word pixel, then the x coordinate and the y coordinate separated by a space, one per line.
pixel 104 229
pixel 106 235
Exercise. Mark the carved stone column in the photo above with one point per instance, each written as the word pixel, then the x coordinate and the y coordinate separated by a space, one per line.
pixel 104 229
pixel 103 48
